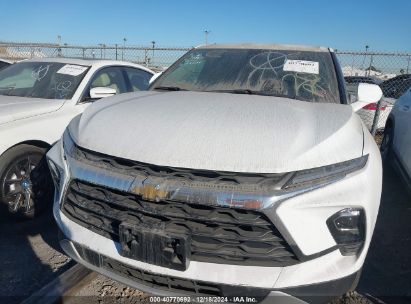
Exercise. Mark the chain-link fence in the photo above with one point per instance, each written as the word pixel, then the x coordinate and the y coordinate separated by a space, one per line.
pixel 391 71
pixel 154 57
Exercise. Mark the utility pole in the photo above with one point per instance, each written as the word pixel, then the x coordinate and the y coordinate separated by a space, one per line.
pixel 124 46
pixel 101 50
pixel 363 61
pixel 366 51
pixel 59 47
pixel 154 45
pixel 206 32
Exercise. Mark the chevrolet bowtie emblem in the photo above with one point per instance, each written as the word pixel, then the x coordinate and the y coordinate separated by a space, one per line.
pixel 150 189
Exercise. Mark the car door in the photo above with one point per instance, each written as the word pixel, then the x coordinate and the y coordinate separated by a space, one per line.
pixel 402 136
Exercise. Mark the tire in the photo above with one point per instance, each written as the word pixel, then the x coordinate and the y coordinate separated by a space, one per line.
pixel 386 143
pixel 26 186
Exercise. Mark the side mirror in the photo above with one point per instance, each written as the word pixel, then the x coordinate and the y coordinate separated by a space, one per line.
pixel 367 93
pixel 101 92
pixel 154 77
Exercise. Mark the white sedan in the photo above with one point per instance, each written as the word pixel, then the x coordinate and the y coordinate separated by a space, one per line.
pixel 396 144
pixel 38 98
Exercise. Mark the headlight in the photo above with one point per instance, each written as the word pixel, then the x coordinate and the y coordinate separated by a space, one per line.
pixel 324 175
pixel 348 229
pixel 68 144
pixel 55 174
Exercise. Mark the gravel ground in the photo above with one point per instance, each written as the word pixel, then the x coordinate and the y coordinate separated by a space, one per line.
pixel 30 258
pixel 103 290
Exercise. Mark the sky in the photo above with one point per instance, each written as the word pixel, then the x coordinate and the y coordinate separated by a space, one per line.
pixel 343 25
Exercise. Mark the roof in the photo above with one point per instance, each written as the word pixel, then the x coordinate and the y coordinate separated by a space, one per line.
pixel 88 62
pixel 290 47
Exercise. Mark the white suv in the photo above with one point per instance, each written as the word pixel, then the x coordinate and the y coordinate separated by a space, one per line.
pixel 38 98
pixel 242 172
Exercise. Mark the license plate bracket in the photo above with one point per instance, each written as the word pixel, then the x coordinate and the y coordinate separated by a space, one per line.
pixel 154 246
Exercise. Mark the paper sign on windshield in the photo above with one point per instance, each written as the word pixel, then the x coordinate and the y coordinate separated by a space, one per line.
pixel 301 66
pixel 71 69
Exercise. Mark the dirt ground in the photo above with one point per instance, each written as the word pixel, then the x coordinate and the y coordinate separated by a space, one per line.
pixel 30 258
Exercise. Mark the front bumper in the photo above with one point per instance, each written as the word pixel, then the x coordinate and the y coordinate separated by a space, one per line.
pixel 158 285
pixel 302 219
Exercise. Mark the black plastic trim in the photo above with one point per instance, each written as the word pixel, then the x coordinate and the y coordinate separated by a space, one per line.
pixel 340 79
pixel 234 229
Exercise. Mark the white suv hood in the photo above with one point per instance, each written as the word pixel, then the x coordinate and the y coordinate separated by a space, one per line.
pixel 218 131
pixel 14 108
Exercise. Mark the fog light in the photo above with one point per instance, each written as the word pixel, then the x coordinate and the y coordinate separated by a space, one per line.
pixel 348 229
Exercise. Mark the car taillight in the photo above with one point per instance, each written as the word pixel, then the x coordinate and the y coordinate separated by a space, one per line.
pixel 373 107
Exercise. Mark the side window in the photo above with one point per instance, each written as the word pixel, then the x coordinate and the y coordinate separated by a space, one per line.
pixel 111 77
pixel 139 79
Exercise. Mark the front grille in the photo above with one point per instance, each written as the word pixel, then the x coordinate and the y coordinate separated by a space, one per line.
pixel 259 181
pixel 218 234
pixel 168 283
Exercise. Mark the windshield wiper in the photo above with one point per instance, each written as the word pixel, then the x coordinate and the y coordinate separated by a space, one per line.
pixel 238 91
pixel 248 92
pixel 164 88
pixel 262 93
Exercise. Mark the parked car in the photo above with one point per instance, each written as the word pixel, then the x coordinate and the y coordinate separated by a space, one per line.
pixel 396 143
pixel 242 172
pixel 392 89
pixel 362 79
pixel 4 63
pixel 368 112
pixel 396 86
pixel 38 98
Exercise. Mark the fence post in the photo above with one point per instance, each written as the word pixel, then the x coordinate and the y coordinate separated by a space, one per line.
pixel 371 63
pixel 83 52
pixel 376 117
pixel 116 51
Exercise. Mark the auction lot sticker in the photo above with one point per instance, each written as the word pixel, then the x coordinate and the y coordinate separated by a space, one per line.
pixel 301 66
pixel 71 69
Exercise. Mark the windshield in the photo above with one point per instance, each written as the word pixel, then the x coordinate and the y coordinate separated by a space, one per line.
pixel 302 75
pixel 50 80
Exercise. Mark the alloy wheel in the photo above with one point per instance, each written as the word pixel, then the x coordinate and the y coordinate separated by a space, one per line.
pixel 24 183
